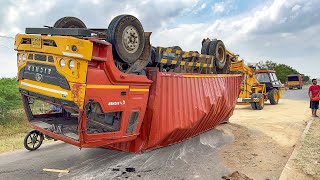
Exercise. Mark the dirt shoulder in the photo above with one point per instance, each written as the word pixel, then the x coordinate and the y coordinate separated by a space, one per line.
pixel 264 140
pixel 305 161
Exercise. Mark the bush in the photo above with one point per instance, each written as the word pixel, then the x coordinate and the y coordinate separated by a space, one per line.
pixel 10 98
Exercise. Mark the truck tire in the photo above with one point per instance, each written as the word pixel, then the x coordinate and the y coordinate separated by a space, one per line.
pixel 218 50
pixel 69 22
pixel 176 48
pixel 126 35
pixel 226 68
pixel 274 96
pixel 260 104
pixel 205 46
pixel 253 104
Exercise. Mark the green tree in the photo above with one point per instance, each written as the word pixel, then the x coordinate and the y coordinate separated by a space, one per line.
pixel 305 78
pixel 282 70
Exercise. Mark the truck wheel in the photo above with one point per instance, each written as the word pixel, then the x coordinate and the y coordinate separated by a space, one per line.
pixel 126 35
pixel 69 22
pixel 176 48
pixel 260 104
pixel 33 140
pixel 226 68
pixel 253 104
pixel 205 46
pixel 218 50
pixel 274 96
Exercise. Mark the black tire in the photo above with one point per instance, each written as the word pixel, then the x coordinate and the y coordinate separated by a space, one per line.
pixel 152 57
pixel 69 22
pixel 218 50
pixel 205 46
pixel 33 140
pixel 273 96
pixel 253 104
pixel 260 104
pixel 226 68
pixel 134 35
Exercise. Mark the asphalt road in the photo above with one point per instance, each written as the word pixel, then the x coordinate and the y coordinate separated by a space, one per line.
pixel 297 94
pixel 195 158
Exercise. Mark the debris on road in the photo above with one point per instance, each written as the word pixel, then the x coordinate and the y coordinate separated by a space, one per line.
pixel 57 170
pixel 236 176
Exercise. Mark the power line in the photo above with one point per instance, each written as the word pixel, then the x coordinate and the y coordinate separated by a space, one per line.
pixel 7 37
pixel 6 46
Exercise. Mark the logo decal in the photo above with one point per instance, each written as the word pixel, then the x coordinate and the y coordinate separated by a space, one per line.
pixel 39 69
pixel 38 77
pixel 117 103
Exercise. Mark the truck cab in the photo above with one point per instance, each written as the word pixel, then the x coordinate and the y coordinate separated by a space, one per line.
pixel 294 81
pixel 72 90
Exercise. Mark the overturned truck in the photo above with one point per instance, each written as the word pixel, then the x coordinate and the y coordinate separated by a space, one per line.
pixel 111 88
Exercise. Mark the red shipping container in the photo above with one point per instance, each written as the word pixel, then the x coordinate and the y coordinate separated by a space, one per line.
pixel 181 106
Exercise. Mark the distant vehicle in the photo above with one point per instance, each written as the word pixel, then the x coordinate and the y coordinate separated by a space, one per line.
pixel 295 81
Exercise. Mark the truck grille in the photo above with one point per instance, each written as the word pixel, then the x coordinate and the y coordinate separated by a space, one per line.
pixel 43 73
pixel 40 57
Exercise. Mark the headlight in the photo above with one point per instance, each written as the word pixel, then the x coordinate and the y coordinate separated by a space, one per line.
pixel 62 63
pixel 71 64
pixel 23 57
pixel 18 57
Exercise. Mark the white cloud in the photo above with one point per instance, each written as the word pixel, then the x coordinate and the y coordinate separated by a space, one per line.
pixel 295 7
pixel 268 33
pixel 284 30
pixel 223 7
pixel 200 8
pixel 218 7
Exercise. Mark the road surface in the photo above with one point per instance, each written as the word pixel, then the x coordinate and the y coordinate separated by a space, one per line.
pixel 196 158
pixel 297 94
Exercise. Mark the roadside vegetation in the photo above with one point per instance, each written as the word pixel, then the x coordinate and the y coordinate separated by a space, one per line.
pixel 13 122
pixel 308 158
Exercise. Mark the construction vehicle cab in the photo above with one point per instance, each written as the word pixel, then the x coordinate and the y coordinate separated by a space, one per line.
pixel 273 85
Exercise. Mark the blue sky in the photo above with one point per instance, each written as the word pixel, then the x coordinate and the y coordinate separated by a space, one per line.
pixel 205 10
pixel 284 31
